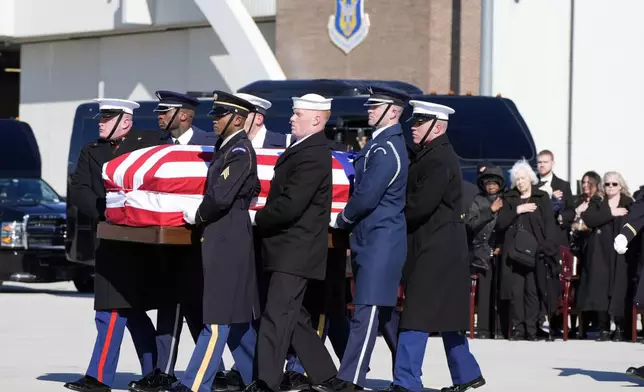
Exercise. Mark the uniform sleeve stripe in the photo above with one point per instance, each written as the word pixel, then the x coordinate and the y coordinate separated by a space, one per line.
pixel 631 228
pixel 397 162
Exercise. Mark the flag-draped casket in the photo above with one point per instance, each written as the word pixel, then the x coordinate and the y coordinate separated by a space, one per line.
pixel 164 185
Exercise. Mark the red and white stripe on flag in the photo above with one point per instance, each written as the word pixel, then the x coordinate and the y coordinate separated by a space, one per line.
pixel 164 185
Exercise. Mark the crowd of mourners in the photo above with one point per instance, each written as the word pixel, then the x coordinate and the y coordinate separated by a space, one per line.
pixel 516 231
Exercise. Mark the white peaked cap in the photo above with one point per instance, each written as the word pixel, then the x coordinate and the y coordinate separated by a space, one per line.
pixel 117 104
pixel 433 109
pixel 257 101
pixel 312 102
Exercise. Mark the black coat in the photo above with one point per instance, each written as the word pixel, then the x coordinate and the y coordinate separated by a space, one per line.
pixel 542 226
pixel 481 220
pixel 294 222
pixel 604 279
pixel 436 273
pixel 230 293
pixel 127 274
pixel 563 230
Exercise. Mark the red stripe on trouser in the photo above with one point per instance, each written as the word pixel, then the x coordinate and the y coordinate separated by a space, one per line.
pixel 106 345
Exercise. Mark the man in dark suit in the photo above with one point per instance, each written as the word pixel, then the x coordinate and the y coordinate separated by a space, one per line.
pixel 294 226
pixel 562 200
pixel 125 280
pixel 558 189
pixel 257 132
pixel 436 273
pixel 179 266
pixel 230 293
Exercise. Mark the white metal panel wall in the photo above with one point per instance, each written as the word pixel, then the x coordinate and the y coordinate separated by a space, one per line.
pixel 58 76
pixel 530 66
pixel 41 18
pixel 7 18
pixel 608 83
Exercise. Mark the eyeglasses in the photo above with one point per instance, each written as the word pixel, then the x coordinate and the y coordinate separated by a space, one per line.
pixel 607 184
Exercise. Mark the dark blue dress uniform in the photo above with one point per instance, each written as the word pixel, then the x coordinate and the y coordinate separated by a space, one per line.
pixel 124 271
pixel 436 274
pixel 181 267
pixel 375 215
pixel 230 295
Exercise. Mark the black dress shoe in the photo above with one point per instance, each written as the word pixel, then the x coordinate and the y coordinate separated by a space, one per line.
pixel 258 386
pixel 476 383
pixel 220 384
pixel 178 388
pixel 636 372
pixel 604 336
pixel 532 338
pixel 395 388
pixel 87 384
pixel 234 381
pixel 516 335
pixel 294 381
pixel 618 336
pixel 154 381
pixel 334 385
pixel 482 335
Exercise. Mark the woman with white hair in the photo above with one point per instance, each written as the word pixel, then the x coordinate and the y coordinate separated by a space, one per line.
pixel 605 273
pixel 529 252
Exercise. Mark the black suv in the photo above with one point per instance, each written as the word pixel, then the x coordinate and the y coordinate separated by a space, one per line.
pixel 32 216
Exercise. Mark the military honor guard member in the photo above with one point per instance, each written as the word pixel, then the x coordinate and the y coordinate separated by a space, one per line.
pixel 375 216
pixel 436 274
pixel 176 112
pixel 124 271
pixel 230 295
pixel 257 132
pixel 294 226
pixel 182 266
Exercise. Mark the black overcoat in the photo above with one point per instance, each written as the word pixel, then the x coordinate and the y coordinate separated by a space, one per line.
pixel 230 293
pixel 436 273
pixel 604 279
pixel 543 227
pixel 126 273
pixel 294 223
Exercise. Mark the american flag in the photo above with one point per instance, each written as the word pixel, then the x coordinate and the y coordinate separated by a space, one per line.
pixel 164 185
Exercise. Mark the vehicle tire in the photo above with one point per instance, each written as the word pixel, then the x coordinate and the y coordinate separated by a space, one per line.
pixel 84 283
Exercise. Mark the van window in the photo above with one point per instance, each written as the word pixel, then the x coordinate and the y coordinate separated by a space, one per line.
pixel 20 153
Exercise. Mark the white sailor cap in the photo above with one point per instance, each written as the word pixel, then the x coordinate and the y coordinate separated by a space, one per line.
pixel 110 106
pixel 261 104
pixel 312 102
pixel 430 110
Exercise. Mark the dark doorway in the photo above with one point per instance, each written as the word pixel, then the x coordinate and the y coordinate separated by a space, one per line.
pixel 9 81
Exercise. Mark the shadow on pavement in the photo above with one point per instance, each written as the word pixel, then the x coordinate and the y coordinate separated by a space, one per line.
pixel 120 380
pixel 8 288
pixel 600 375
pixel 377 385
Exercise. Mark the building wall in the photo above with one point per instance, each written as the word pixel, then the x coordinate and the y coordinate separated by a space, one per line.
pixel 408 40
pixel 531 67
pixel 58 76
pixel 38 19
pixel 607 89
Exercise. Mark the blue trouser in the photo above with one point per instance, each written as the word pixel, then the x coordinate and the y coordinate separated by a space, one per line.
pixel 367 321
pixel 337 330
pixel 169 326
pixel 411 351
pixel 206 358
pixel 110 327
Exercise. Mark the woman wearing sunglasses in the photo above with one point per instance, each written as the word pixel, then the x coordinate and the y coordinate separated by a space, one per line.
pixel 604 276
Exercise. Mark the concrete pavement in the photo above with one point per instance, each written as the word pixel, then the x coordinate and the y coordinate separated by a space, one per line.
pixel 47 332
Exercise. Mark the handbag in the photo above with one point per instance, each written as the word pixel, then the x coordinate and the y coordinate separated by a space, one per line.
pixel 523 250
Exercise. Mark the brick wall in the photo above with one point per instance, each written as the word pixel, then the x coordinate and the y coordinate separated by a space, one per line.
pixel 408 40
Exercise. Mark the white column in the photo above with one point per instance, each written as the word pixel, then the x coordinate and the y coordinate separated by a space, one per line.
pixel 245 44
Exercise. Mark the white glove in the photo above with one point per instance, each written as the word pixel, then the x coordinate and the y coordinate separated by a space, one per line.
pixel 620 244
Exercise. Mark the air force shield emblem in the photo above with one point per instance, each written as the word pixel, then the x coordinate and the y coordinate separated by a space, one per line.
pixel 350 25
